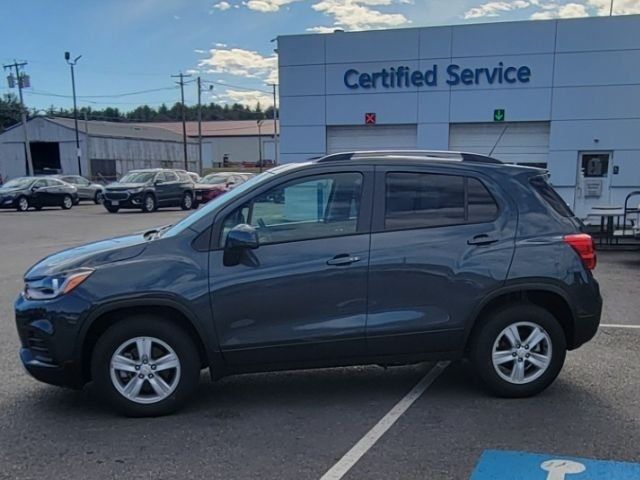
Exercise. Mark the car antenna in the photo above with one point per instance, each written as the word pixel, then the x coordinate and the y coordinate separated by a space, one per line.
pixel 498 140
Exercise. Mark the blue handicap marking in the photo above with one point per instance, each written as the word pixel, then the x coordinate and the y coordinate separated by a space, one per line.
pixel 501 465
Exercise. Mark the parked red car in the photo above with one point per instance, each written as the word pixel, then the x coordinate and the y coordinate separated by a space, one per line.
pixel 215 184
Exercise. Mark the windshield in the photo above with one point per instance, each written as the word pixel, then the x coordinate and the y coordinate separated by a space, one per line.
pixel 18 183
pixel 215 203
pixel 215 179
pixel 137 177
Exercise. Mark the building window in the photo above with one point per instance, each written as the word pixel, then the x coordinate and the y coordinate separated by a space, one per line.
pixel 594 165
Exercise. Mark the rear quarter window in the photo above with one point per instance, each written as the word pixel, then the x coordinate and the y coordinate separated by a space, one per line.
pixel 550 196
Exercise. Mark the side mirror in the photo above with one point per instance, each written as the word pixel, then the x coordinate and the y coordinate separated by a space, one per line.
pixel 158 182
pixel 242 237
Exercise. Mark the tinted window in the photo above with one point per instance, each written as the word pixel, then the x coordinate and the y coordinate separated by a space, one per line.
pixel 40 184
pixel 172 177
pixel 160 177
pixel 550 196
pixel 416 200
pixel 137 177
pixel 321 206
pixel 481 207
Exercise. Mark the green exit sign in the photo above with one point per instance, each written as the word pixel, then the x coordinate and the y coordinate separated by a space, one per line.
pixel 498 115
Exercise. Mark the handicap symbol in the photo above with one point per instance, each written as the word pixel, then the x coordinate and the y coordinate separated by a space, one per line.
pixel 559 469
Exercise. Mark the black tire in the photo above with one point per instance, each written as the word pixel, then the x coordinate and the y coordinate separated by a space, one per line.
pixel 110 208
pixel 22 204
pixel 487 334
pixel 98 199
pixel 145 326
pixel 149 203
pixel 187 201
pixel 195 205
pixel 67 202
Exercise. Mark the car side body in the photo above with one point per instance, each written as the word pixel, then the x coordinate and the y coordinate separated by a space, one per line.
pixel 378 288
pixel 37 192
pixel 87 190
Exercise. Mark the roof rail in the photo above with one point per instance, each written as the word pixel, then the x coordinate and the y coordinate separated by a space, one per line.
pixel 427 154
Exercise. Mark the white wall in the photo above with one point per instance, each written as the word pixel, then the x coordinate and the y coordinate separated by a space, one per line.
pixel 585 80
pixel 240 149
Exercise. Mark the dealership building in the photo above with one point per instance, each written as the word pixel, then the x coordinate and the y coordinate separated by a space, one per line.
pixel 559 94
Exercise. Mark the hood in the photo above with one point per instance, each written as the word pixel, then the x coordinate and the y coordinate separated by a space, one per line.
pixel 11 189
pixel 124 186
pixel 89 255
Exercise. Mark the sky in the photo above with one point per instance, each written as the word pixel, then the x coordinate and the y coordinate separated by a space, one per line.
pixel 130 48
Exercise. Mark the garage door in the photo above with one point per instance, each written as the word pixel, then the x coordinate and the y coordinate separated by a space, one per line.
pixel 370 137
pixel 524 143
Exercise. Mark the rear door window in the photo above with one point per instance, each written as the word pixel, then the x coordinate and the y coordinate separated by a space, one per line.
pixel 417 200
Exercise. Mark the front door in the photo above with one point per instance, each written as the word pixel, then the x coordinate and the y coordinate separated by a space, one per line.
pixel 301 295
pixel 162 188
pixel 593 187
pixel 439 244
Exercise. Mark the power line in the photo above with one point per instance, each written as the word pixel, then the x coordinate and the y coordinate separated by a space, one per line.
pixel 115 95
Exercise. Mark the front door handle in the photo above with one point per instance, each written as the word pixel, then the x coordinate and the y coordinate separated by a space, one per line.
pixel 482 239
pixel 343 259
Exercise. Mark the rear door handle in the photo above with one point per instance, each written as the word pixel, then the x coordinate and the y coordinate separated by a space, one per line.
pixel 343 259
pixel 482 239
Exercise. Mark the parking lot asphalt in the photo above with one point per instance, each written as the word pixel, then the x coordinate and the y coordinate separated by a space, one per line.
pixel 297 425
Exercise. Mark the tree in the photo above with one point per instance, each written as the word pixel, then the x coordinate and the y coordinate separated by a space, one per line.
pixel 9 111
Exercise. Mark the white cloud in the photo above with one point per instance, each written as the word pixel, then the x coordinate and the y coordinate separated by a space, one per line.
pixel 219 45
pixel 321 29
pixel 199 50
pixel 494 9
pixel 222 6
pixel 620 7
pixel 242 63
pixel 568 10
pixel 267 6
pixel 248 97
pixel 357 14
pixel 177 17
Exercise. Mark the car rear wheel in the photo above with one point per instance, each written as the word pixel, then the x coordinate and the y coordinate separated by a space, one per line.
pixel 148 203
pixel 519 350
pixel 98 198
pixel 22 205
pixel 67 202
pixel 145 366
pixel 187 201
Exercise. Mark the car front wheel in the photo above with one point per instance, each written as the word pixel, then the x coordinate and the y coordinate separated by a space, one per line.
pixel 97 199
pixel 22 204
pixel 145 366
pixel 148 203
pixel 519 350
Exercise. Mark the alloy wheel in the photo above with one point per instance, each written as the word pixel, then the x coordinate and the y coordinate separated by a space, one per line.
pixel 67 202
pixel 145 370
pixel 522 352
pixel 23 204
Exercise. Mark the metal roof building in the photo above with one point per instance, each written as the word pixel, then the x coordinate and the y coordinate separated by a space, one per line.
pixel 107 149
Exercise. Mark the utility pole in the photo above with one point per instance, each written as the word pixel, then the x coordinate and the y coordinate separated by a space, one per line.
pixel 611 9
pixel 199 126
pixel 72 64
pixel 182 76
pixel 23 81
pixel 275 124
pixel 259 122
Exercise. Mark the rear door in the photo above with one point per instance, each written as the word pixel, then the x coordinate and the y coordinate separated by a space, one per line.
pixel 440 243
pixel 174 188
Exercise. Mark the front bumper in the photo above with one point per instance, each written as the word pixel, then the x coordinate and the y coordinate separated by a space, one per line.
pixel 8 202
pixel 129 201
pixel 49 332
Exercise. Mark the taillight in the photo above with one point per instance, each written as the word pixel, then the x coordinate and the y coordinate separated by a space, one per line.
pixel 583 244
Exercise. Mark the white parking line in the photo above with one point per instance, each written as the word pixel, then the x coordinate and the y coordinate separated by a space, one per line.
pixel 618 325
pixel 372 436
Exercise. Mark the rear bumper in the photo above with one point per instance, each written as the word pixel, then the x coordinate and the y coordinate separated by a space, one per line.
pixel 586 325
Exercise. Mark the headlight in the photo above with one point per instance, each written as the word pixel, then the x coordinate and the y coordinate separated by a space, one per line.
pixel 52 287
pixel 136 190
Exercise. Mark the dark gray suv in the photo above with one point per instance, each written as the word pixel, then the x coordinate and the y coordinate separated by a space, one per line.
pixel 354 258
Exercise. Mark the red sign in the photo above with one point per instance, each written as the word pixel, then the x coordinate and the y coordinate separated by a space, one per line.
pixel 370 118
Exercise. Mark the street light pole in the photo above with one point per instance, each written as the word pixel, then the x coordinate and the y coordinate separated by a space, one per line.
pixel 72 64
